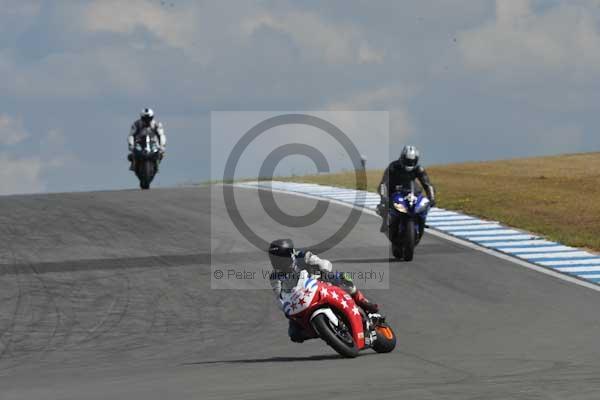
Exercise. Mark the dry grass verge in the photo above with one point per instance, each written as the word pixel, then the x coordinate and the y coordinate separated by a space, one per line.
pixel 557 197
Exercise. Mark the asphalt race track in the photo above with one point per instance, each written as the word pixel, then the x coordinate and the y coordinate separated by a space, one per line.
pixel 107 295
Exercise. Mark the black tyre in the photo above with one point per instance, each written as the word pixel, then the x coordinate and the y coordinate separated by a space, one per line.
pixel 409 240
pixel 334 337
pixel 146 174
pixel 149 171
pixel 397 251
pixel 386 339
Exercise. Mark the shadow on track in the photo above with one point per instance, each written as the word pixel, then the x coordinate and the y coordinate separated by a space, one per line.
pixel 365 260
pixel 274 359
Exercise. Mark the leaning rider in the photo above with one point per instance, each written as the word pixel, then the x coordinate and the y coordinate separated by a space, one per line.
pixel 287 263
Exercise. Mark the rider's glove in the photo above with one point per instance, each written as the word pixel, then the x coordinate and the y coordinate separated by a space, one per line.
pixel 312 259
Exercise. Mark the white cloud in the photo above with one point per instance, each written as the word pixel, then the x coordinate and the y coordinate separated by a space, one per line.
pixel 11 130
pixel 174 26
pixel 368 55
pixel 391 98
pixel 86 67
pixel 320 39
pixel 20 8
pixel 77 75
pixel 371 99
pixel 193 28
pixel 54 146
pixel 520 45
pixel 17 174
pixel 26 174
pixel 135 48
pixel 20 175
pixel 23 11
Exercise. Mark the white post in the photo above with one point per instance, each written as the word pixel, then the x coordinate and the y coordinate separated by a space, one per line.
pixel 363 161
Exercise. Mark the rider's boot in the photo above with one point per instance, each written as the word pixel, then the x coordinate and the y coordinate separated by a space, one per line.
pixel 159 160
pixel 421 231
pixel 130 158
pixel 296 333
pixel 360 299
pixel 383 226
pixel 382 211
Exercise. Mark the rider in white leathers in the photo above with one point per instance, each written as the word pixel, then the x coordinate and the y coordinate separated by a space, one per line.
pixel 145 123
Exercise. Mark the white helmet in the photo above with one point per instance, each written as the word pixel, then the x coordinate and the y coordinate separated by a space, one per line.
pixel 147 115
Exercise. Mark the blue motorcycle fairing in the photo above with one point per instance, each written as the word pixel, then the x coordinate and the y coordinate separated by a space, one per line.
pixel 413 205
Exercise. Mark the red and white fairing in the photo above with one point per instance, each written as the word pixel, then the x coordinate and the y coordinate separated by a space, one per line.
pixel 311 295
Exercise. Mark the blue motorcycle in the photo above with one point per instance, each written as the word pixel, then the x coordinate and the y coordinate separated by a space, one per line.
pixel 406 221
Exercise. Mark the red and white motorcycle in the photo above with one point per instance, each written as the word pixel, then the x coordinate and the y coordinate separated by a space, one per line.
pixel 329 312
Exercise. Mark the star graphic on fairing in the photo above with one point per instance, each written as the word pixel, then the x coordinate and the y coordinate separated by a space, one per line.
pixel 344 304
pixel 293 306
pixel 334 295
pixel 355 310
pixel 302 301
pixel 324 292
pixel 306 292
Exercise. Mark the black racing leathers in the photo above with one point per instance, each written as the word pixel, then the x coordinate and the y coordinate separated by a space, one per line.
pixel 395 176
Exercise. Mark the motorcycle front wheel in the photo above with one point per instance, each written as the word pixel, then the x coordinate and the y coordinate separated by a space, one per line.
pixel 338 337
pixel 409 240
pixel 147 174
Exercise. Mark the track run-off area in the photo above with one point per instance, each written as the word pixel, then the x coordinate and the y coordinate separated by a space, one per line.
pixel 108 295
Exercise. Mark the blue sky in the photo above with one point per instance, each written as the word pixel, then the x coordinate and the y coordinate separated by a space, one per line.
pixel 462 79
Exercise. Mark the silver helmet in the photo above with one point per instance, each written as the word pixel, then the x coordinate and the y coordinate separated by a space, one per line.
pixel 409 158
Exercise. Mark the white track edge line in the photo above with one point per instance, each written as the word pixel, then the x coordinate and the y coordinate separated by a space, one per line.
pixel 450 238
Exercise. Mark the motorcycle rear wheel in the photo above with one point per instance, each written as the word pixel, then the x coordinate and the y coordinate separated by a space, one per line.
pixel 326 332
pixel 397 251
